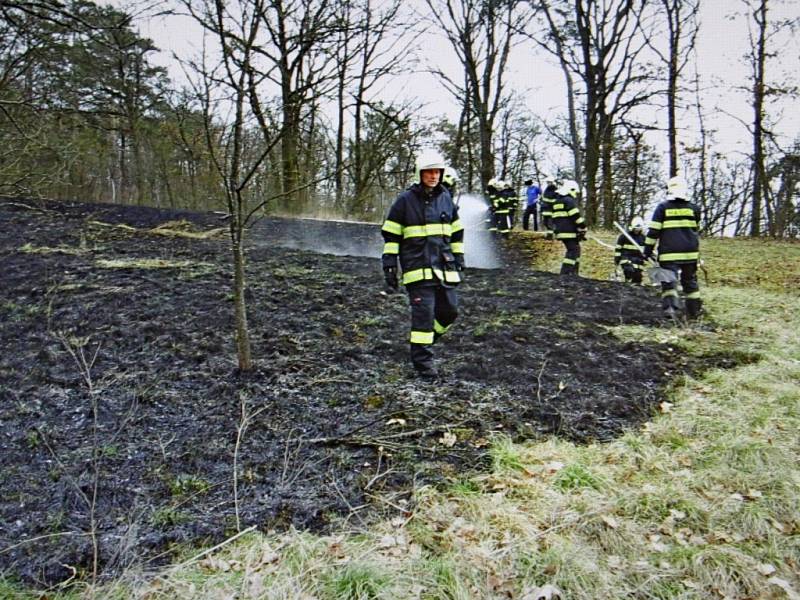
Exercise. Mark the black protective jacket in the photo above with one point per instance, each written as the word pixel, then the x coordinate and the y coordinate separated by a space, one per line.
pixel 424 231
pixel 567 222
pixel 625 252
pixel 674 227
pixel 549 196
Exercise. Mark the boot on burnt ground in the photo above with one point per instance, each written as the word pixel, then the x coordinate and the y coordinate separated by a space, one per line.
pixel 422 359
pixel 694 308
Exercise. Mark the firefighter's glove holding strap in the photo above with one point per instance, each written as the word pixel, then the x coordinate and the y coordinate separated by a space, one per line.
pixel 390 276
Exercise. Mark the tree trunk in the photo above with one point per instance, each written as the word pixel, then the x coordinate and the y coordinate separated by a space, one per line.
pixel 240 309
pixel 759 174
pixel 609 206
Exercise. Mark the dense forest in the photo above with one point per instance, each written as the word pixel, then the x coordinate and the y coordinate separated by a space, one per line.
pixel 282 108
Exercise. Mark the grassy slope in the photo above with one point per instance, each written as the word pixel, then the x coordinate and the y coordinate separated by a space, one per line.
pixel 703 502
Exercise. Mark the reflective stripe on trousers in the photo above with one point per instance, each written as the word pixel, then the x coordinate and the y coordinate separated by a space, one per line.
pixel 433 310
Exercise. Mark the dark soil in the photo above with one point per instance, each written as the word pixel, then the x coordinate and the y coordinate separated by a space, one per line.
pixel 119 387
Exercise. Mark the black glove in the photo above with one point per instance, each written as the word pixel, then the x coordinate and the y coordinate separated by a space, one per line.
pixel 549 235
pixel 581 236
pixel 648 254
pixel 459 263
pixel 390 276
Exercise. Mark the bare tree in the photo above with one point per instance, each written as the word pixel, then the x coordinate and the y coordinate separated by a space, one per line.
pixel 228 88
pixel 681 20
pixel 758 59
pixel 298 52
pixel 369 44
pixel 764 32
pixel 601 43
pixel 555 42
pixel 481 33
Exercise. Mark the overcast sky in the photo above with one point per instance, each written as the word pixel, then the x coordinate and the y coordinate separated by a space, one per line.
pixel 721 47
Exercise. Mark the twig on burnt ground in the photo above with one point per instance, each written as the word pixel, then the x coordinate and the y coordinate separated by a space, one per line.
pixel 539 378
pixel 291 471
pixel 75 348
pixel 353 511
pixel 387 441
pixel 245 417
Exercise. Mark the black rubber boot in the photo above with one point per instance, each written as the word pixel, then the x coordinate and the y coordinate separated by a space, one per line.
pixel 422 359
pixel 694 307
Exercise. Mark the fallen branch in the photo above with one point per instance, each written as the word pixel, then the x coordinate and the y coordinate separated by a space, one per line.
pixel 222 544
pixel 365 441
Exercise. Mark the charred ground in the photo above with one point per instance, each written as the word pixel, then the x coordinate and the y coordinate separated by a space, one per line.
pixel 119 387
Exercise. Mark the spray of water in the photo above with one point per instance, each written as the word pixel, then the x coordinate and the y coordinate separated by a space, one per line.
pixel 481 250
pixel 351 238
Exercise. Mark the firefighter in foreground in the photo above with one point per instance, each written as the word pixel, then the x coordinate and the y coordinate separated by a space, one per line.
pixel 675 228
pixel 424 231
pixel 568 226
pixel 628 256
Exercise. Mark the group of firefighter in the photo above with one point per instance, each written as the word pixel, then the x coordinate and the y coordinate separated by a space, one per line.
pixel 423 232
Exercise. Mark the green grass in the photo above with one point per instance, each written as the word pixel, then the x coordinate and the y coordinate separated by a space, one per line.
pixel 703 501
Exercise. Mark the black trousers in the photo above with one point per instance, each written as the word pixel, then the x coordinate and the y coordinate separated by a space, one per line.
pixel 502 221
pixel 434 308
pixel 571 263
pixel 632 270
pixel 687 273
pixel 526 217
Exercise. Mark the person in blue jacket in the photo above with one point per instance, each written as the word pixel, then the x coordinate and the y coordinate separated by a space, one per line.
pixel 423 231
pixel 533 193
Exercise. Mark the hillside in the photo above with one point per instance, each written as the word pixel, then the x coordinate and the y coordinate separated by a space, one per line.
pixel 129 438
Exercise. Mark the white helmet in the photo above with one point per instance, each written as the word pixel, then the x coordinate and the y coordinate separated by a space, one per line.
pixel 676 188
pixel 549 179
pixel 637 224
pixel 450 177
pixel 429 159
pixel 570 187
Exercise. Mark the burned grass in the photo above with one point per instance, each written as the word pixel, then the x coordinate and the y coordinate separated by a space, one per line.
pixel 127 433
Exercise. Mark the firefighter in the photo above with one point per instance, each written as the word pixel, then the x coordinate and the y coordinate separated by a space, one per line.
pixel 424 231
pixel 450 180
pixel 628 256
pixel 569 226
pixel 675 228
pixel 505 207
pixel 549 195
